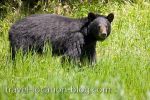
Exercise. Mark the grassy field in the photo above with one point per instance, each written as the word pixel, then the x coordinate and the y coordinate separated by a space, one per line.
pixel 122 71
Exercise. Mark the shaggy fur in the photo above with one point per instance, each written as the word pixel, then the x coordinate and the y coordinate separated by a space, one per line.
pixel 72 38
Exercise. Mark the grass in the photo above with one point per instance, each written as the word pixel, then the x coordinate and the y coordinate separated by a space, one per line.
pixel 123 66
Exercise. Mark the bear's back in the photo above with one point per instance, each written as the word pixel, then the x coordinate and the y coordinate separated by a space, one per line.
pixel 47 23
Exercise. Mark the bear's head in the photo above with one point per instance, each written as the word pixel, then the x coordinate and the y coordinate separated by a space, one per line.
pixel 99 26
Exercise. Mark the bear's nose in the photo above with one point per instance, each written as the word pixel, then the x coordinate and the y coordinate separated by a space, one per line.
pixel 104 35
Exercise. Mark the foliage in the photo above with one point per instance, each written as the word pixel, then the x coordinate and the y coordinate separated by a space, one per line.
pixel 123 59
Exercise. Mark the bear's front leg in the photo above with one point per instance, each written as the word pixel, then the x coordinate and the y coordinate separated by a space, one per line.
pixel 89 53
pixel 92 56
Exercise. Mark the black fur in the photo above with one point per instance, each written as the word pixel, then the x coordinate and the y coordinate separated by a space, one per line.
pixel 73 38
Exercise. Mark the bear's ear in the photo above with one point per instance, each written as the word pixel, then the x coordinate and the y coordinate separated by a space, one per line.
pixel 110 17
pixel 91 16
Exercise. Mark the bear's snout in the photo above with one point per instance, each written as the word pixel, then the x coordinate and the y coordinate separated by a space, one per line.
pixel 102 32
pixel 102 29
pixel 103 35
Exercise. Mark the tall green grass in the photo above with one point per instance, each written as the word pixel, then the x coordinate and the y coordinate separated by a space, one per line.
pixel 123 60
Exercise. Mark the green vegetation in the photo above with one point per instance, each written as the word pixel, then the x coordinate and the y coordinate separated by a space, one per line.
pixel 123 59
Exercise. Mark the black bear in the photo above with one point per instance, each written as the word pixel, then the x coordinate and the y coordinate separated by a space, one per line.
pixel 72 38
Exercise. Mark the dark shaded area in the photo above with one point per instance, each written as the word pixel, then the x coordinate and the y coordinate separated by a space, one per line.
pixel 26 6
